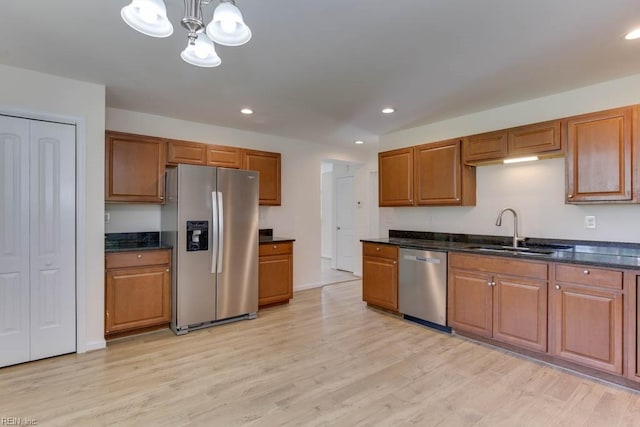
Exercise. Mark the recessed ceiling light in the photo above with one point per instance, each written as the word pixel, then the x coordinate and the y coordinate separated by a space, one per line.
pixel 388 110
pixel 359 141
pixel 635 34
pixel 246 111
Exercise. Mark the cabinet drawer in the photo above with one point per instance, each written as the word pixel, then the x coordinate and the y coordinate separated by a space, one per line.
pixel 382 251
pixel 137 258
pixel 499 265
pixel 587 275
pixel 276 248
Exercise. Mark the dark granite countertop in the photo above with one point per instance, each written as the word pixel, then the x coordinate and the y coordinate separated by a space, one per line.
pixel 264 240
pixel 144 241
pixel 604 254
pixel 266 237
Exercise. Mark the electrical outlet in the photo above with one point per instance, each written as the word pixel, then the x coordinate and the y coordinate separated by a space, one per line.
pixel 589 221
pixel 107 217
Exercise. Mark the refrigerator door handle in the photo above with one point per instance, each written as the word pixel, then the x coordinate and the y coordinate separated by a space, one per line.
pixel 220 231
pixel 214 230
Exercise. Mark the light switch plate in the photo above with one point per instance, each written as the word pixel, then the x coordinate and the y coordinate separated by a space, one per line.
pixel 107 217
pixel 590 221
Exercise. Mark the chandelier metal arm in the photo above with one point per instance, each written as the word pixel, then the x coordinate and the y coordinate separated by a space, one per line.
pixel 192 19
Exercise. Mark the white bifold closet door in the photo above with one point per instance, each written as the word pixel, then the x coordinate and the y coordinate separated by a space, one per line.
pixel 37 240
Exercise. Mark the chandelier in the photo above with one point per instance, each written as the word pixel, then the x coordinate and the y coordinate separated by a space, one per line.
pixel 227 27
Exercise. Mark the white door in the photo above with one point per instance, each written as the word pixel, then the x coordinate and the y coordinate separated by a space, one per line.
pixel 37 225
pixel 14 241
pixel 345 233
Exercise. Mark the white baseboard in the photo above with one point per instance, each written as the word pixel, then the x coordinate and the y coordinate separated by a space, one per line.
pixel 94 345
pixel 307 286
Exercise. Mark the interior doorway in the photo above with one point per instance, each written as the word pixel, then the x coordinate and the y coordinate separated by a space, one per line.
pixel 337 214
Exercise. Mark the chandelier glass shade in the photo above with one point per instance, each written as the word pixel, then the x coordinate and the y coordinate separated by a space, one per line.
pixel 226 28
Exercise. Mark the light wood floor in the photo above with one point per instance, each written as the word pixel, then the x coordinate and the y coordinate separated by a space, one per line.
pixel 326 359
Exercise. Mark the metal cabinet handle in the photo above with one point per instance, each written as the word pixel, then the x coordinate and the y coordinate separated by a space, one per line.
pixel 139 256
pixel 586 272
pixel 167 270
pixel 161 197
pixel 378 249
pixel 558 287
pixel 275 246
pixel 395 262
pixel 490 283
pixel 569 196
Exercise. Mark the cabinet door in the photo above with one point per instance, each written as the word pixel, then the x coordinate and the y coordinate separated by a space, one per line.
pixel 486 147
pixel 440 177
pixel 226 157
pixel 599 157
pixel 395 169
pixel 134 168
pixel 632 334
pixel 185 152
pixel 520 312
pixel 538 138
pixel 137 298
pixel 470 302
pixel 275 279
pixel 380 282
pixel 268 164
pixel 588 326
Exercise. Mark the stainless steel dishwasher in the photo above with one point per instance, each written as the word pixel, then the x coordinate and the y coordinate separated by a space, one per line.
pixel 422 287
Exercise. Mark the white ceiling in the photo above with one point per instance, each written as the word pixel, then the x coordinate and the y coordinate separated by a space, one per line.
pixel 321 70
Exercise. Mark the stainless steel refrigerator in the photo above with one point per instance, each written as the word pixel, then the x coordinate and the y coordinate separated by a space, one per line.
pixel 210 217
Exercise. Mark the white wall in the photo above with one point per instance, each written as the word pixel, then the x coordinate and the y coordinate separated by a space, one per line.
pixel 327 214
pixel 299 215
pixel 535 190
pixel 40 93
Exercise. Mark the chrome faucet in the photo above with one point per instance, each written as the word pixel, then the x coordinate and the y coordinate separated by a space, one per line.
pixel 516 238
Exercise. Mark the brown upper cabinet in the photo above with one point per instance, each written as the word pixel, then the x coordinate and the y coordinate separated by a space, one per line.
pixel 542 139
pixel 268 164
pixel 600 160
pixel 396 177
pixel 185 152
pixel 135 166
pixel 197 153
pixel 486 146
pixel 426 175
pixel 227 157
pixel 134 169
pixel 440 176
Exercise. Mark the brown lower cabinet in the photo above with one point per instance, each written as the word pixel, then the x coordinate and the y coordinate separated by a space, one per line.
pixel 633 330
pixel 588 316
pixel 275 273
pixel 137 290
pixel 499 298
pixel 380 275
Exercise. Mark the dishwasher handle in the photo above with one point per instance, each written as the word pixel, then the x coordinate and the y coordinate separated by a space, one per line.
pixel 421 259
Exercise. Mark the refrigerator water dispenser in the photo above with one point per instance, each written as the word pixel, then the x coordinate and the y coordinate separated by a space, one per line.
pixel 197 236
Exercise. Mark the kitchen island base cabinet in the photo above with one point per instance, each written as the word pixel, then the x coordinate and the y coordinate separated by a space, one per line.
pixel 275 274
pixel 380 276
pixel 137 291
pixel 498 298
pixel 588 317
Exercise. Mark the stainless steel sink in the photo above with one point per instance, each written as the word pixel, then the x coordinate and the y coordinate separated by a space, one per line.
pixel 512 250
